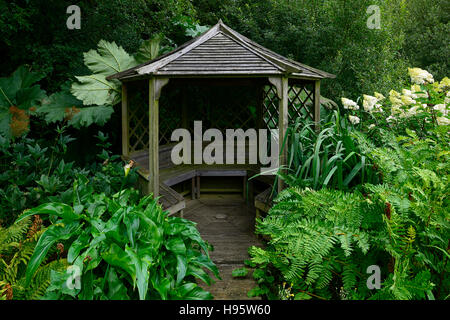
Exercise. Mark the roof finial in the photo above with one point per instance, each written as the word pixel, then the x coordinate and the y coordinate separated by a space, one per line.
pixel 220 21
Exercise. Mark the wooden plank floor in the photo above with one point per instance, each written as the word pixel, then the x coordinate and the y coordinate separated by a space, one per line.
pixel 226 223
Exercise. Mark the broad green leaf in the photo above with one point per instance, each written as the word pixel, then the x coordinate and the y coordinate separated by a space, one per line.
pixel 108 59
pixel 79 244
pixel 116 256
pixel 92 115
pixel 198 294
pixel 58 106
pixel 18 90
pixel 176 245
pixel 58 209
pixel 148 50
pixel 181 268
pixel 140 264
pixel 116 289
pixel 96 90
pixel 54 233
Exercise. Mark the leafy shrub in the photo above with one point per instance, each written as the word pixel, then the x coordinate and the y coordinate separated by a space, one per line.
pixel 322 241
pixel 119 243
pixel 19 98
pixel 329 158
pixel 34 172
pixel 17 244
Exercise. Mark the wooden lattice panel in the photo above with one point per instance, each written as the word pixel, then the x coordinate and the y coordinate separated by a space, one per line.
pixel 138 117
pixel 301 103
pixel 270 107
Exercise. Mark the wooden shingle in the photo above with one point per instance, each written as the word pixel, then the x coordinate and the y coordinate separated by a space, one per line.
pixel 221 51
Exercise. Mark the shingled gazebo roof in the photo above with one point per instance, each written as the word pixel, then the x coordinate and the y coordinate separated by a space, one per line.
pixel 221 51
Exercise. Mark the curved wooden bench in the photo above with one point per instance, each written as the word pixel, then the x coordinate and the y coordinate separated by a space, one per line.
pixel 170 175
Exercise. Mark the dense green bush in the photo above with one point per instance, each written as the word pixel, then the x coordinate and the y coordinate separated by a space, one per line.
pixel 119 243
pixel 321 242
pixel 36 171
pixel 329 158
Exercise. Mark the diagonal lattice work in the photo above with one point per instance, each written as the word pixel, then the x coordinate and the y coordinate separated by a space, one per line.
pixel 270 107
pixel 301 104
pixel 138 131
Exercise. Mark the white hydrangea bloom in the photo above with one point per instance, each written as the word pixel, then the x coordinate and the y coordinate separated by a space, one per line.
pixel 419 76
pixel 371 126
pixel 395 98
pixel 447 98
pixel 444 84
pixel 407 100
pixel 443 121
pixel 408 93
pixel 442 108
pixel 349 104
pixel 379 96
pixel 390 118
pixel 416 89
pixel 354 119
pixel 413 111
pixel 369 102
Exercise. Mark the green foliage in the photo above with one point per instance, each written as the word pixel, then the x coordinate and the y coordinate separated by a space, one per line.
pixel 329 158
pixel 17 244
pixel 426 40
pixel 19 97
pixel 119 243
pixel 322 241
pixel 330 35
pixel 239 272
pixel 35 171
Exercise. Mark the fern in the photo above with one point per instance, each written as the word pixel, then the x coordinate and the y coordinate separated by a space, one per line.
pixel 17 244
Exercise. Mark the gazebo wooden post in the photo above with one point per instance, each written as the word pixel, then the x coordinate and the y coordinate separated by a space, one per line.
pixel 282 85
pixel 317 104
pixel 125 121
pixel 155 87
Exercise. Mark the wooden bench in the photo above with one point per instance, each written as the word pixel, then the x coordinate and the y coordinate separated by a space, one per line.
pixel 170 175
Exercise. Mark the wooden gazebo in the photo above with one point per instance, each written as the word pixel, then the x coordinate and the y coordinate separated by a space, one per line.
pixel 280 91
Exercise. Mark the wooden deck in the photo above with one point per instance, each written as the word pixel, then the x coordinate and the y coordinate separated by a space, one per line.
pixel 226 222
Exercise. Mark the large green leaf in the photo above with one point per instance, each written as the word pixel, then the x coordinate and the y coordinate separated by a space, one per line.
pixel 18 90
pixel 54 233
pixel 58 209
pixel 57 106
pixel 96 90
pixel 89 115
pixel 108 59
pixel 148 50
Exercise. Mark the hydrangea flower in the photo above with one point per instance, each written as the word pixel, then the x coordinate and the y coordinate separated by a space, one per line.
pixel 407 100
pixel 395 98
pixel 379 96
pixel 349 104
pixel 443 121
pixel 442 108
pixel 418 92
pixel 419 76
pixel 390 118
pixel 354 119
pixel 444 84
pixel 369 102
